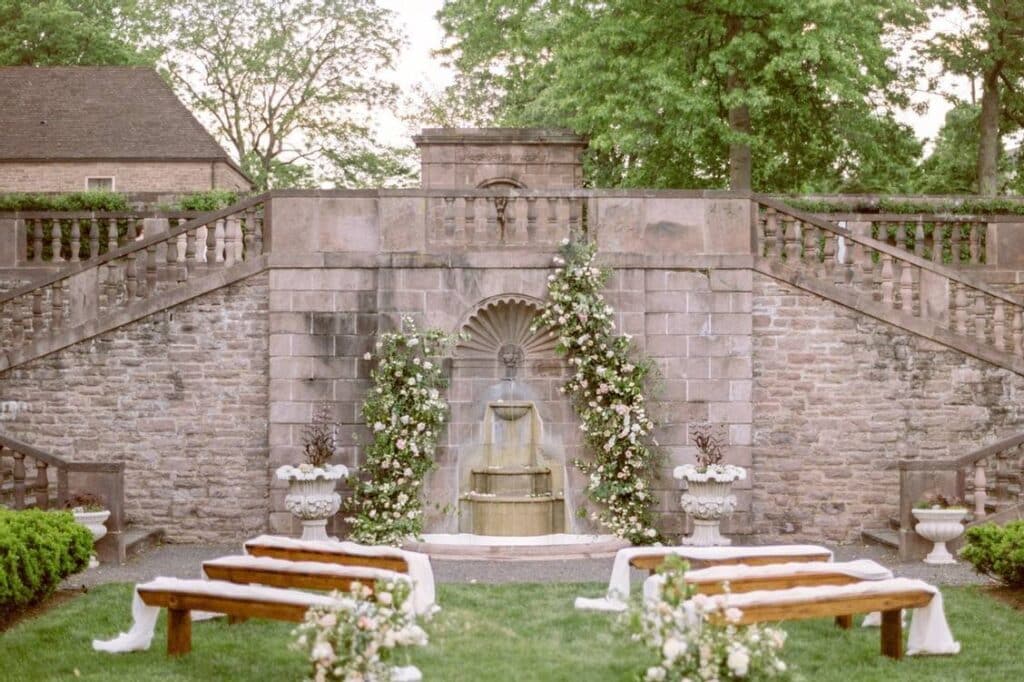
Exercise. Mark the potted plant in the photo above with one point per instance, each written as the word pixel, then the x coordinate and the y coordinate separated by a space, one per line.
pixel 940 520
pixel 89 510
pixel 311 485
pixel 708 495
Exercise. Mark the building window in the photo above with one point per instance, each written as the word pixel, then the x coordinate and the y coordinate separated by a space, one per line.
pixel 99 184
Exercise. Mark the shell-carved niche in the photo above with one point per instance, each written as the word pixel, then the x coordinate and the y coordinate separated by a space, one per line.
pixel 500 329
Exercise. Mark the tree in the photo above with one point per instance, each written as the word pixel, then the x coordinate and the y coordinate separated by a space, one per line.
pixel 71 32
pixel 991 48
pixel 952 168
pixel 682 94
pixel 289 85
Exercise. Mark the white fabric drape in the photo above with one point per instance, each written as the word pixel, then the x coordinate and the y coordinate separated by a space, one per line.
pixel 617 595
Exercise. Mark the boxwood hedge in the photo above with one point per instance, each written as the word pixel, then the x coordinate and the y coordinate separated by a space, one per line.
pixel 997 551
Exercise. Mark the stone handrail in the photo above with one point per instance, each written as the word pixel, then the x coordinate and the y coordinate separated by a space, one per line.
pixel 58 237
pixel 135 271
pixel 956 306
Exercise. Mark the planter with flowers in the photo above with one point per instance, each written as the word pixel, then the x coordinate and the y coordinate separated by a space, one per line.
pixel 708 495
pixel 940 520
pixel 90 511
pixel 312 497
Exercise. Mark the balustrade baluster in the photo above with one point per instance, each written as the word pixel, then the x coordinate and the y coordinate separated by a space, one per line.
pixel 449 216
pixel 229 243
pixel 829 254
pixel 979 317
pixel 249 235
pixel 792 246
pixel 42 486
pixel 171 259
pixel 1018 333
pixel 219 231
pixel 809 246
pixel 771 229
pixel 888 279
pixel 76 239
pixel 980 489
pixel 901 236
pixel 960 306
pixel 94 239
pixel 131 280
pixel 531 219
pixel 906 288
pixel 975 243
pixel 18 480
pixel 190 252
pixel 954 244
pixel 112 230
pixel 151 268
pixel 37 313
pixel 938 239
pixel 56 306
pixel 55 245
pixel 919 238
pixel 112 286
pixel 37 240
pixel 999 325
pixel 469 219
pixel 211 245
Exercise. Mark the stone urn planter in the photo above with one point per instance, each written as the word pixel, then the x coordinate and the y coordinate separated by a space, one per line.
pixel 707 499
pixel 312 497
pixel 940 526
pixel 95 521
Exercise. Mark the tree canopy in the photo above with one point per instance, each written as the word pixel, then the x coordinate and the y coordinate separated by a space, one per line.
pixel 661 87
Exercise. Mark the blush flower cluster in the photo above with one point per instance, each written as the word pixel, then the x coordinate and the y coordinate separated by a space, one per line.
pixel 358 637
pixel 606 384
pixel 405 411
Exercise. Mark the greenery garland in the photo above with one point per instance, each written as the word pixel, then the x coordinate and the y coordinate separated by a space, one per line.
pixel 405 412
pixel 606 387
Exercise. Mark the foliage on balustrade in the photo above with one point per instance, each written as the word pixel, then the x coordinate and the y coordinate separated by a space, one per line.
pixel 210 200
pixel 405 411
pixel 607 389
pixel 961 206
pixel 74 201
pixel 997 551
pixel 38 549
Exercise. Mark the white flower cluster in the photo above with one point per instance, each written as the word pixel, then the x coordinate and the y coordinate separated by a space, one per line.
pixel 606 387
pixel 355 638
pixel 405 412
pixel 722 473
pixel 695 638
pixel 308 472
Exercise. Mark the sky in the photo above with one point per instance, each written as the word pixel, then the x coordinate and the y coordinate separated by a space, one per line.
pixel 424 34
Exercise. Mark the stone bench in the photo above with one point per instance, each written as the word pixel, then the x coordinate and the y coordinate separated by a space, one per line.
pixel 887 596
pixel 181 597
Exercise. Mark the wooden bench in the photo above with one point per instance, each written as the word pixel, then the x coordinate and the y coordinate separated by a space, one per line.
pixel 652 563
pixel 801 607
pixel 180 597
pixel 332 556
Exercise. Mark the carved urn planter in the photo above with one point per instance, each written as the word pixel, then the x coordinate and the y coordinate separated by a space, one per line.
pixel 707 499
pixel 95 521
pixel 939 526
pixel 312 497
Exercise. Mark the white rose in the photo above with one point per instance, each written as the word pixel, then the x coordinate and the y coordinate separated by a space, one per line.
pixel 673 648
pixel 738 662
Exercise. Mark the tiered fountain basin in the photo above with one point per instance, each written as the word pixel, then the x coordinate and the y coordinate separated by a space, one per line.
pixel 513 501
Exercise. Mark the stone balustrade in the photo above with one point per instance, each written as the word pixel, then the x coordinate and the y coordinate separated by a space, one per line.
pixel 948 239
pixel 30 477
pixel 520 218
pixel 40 238
pixel 951 306
pixel 135 271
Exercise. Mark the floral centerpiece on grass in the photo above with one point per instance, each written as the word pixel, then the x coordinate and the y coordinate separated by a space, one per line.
pixel 606 384
pixel 360 635
pixel 405 411
pixel 311 485
pixel 695 638
pixel 708 495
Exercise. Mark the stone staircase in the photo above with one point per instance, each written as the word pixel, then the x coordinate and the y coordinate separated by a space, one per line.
pixel 133 281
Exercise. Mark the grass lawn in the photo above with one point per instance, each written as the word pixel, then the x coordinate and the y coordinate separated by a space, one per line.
pixel 505 632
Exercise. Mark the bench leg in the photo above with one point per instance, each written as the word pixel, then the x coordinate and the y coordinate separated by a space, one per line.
pixel 892 634
pixel 179 632
pixel 845 622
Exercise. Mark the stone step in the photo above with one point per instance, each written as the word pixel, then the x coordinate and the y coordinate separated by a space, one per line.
pixel 894 523
pixel 138 540
pixel 881 536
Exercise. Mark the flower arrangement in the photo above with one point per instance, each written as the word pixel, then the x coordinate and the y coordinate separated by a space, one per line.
pixel 318 443
pixel 84 503
pixel 710 443
pixel 405 412
pixel 940 501
pixel 695 638
pixel 358 636
pixel 607 389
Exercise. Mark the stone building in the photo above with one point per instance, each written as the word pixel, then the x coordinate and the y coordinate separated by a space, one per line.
pixel 78 128
pixel 828 355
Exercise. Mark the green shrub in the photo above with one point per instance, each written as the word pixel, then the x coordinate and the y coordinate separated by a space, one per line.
pixel 997 551
pixel 38 549
pixel 212 200
pixel 75 201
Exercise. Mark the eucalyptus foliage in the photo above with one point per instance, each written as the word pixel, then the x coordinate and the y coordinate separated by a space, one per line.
pixel 405 412
pixel 606 385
